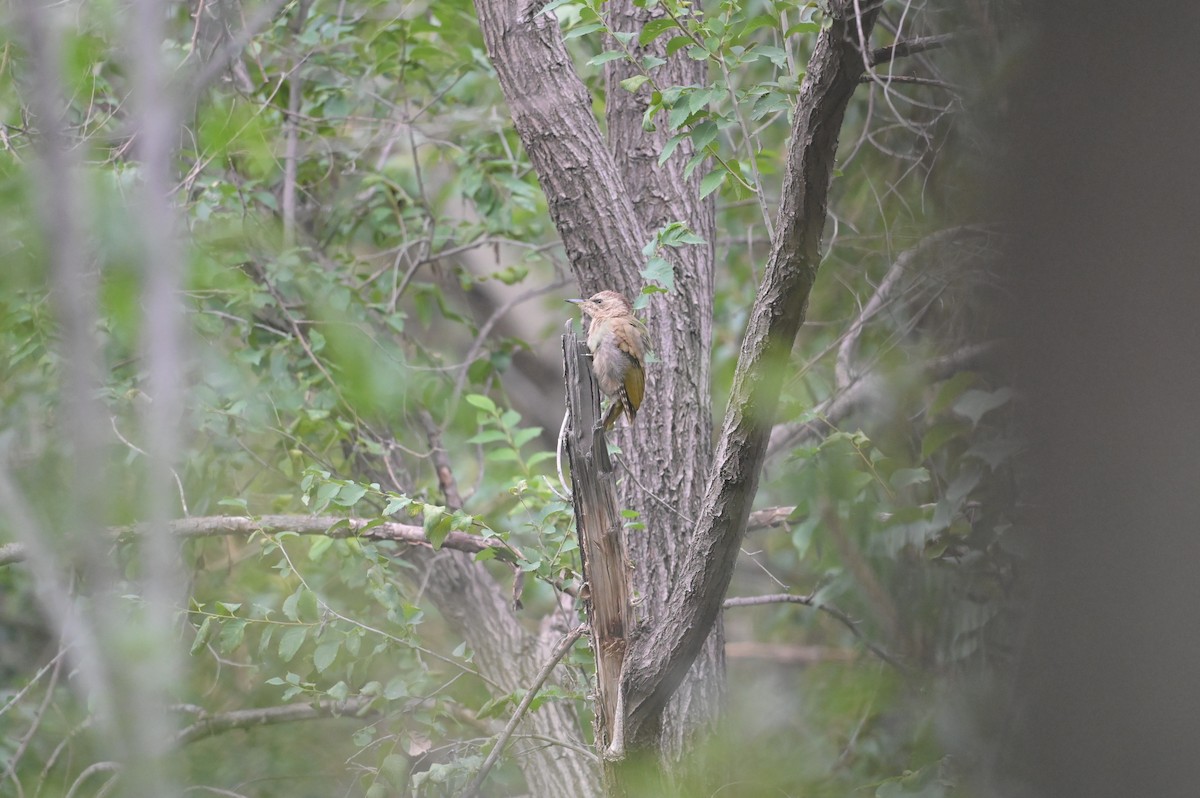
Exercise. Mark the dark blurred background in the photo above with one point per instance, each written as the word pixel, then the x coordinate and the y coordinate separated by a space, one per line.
pixel 1105 289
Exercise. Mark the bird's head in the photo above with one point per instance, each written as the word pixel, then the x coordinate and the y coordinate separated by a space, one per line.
pixel 603 305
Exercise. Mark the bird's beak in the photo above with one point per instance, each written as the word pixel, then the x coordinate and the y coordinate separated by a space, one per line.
pixel 575 301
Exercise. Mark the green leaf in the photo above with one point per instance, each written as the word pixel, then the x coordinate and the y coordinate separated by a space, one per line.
pixel 503 455
pixel 350 494
pixel 803 27
pixel 396 504
pixel 319 546
pixel 659 270
pixel 538 457
pixel 678 115
pixel 583 30
pixel 203 635
pixel 703 134
pixel 290 605
pixel 488 436
pixel 975 404
pixel 437 524
pixel 482 402
pixel 233 632
pixel 903 477
pixel 496 707
pixel 548 9
pixel 670 147
pixel 653 29
pixel 524 436
pixel 773 54
pixel 325 654
pixel 325 494
pixel 675 43
pixel 761 21
pixel 711 182
pixel 651 61
pixel 291 641
pixel 339 691
pixel 307 605
pixel 634 83
pixel 605 57
pixel 938 436
pixel 994 453
pixel 951 389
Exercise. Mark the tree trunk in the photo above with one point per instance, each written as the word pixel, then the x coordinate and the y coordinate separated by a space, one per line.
pixel 605 202
pixel 670 447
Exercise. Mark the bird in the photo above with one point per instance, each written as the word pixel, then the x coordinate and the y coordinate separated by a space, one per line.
pixel 616 340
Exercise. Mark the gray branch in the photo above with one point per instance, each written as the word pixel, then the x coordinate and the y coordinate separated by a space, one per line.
pixel 331 526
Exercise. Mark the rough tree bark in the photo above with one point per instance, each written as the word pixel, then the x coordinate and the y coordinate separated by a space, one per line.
pixel 673 436
pixel 600 203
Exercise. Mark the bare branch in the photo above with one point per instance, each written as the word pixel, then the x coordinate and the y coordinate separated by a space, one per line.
pixel 213 68
pixel 829 414
pixel 14 759
pixel 91 770
pixel 217 723
pixel 441 463
pixel 914 80
pixel 883 293
pixel 809 601
pixel 332 526
pixel 11 553
pixel 907 47
pixel 486 328
pixel 785 654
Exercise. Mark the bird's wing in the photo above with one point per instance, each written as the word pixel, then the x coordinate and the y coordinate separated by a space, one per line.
pixel 631 345
pixel 635 384
pixel 635 381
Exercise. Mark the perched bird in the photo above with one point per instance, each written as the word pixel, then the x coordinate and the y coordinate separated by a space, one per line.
pixel 616 340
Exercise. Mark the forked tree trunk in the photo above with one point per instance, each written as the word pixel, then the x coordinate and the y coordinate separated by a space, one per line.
pixel 606 199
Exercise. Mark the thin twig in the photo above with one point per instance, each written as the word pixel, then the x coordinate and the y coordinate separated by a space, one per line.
pixel 522 708
pixel 913 80
pixel 486 329
pixel 89 771
pixel 37 676
pixel 234 47
pixel 907 47
pixel 11 771
pixel 810 601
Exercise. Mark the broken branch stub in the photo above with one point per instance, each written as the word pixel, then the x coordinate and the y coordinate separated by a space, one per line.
pixel 601 542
